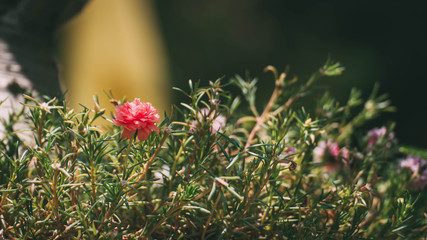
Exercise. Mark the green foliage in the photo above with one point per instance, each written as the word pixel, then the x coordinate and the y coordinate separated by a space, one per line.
pixel 212 172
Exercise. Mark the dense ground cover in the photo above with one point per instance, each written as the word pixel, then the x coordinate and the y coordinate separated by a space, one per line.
pixel 217 167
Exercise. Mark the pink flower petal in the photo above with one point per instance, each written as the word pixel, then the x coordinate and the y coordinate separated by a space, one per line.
pixel 136 116
pixel 143 134
pixel 127 134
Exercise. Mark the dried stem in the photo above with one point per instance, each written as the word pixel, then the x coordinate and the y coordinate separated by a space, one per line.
pixel 291 100
pixel 261 119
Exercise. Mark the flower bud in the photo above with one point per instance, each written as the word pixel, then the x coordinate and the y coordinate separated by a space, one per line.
pixel 45 107
pixel 81 129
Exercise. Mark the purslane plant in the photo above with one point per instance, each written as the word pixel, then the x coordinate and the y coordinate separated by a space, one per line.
pixel 218 167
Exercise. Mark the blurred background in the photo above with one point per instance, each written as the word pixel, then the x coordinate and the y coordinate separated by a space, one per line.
pixel 140 48
pixel 377 41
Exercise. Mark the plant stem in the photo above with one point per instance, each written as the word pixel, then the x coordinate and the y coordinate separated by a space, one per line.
pixel 55 192
pixel 93 179
pixel 151 160
pixel 210 216
pixel 40 128
pixel 261 119
pixel 174 209
pixel 256 194
pixel 291 100
pixel 175 163
pixel 73 180
pixel 2 210
pixel 125 161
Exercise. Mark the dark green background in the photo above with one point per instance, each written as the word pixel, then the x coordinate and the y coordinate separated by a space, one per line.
pixel 377 41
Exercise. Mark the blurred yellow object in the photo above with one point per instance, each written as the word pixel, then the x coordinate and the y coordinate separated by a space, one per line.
pixel 116 45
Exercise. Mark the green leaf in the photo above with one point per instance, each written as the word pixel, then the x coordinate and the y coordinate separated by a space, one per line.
pixel 418 152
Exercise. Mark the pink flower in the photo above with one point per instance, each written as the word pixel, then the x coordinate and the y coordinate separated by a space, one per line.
pixel 330 153
pixel 218 122
pixel 345 153
pixel 288 151
pixel 323 148
pixel 376 134
pixel 136 117
pixel 319 151
pixel 415 165
pixel 334 149
pixel 419 182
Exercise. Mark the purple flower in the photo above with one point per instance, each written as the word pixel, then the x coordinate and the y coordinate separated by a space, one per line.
pixel 415 165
